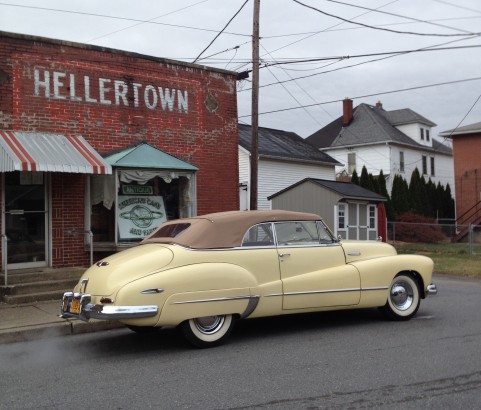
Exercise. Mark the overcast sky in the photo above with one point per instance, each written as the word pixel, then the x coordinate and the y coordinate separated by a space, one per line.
pixel 302 96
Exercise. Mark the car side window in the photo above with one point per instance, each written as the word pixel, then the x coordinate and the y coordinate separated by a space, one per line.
pixel 297 233
pixel 259 235
pixel 325 235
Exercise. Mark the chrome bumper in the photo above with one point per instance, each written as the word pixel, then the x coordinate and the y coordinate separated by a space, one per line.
pixel 89 310
pixel 431 290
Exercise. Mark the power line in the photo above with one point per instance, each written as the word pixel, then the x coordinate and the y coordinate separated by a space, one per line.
pixel 81 13
pixel 294 98
pixel 393 53
pixel 358 28
pixel 147 21
pixel 371 95
pixel 238 68
pixel 457 6
pixel 220 32
pixel 382 28
pixel 388 55
pixel 395 15
pixel 460 122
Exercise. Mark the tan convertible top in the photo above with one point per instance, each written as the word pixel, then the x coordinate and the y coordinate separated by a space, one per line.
pixel 223 229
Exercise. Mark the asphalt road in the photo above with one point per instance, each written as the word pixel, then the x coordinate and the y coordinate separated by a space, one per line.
pixel 344 360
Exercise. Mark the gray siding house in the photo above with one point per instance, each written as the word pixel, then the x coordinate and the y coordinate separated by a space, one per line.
pixel 352 212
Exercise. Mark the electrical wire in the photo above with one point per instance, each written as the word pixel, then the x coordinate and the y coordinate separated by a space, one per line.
pixel 81 13
pixel 413 19
pixel 388 55
pixel 147 21
pixel 238 68
pixel 220 32
pixel 457 6
pixel 420 87
pixel 460 122
pixel 382 28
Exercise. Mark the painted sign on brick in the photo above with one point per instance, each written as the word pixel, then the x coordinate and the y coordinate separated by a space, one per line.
pixel 61 85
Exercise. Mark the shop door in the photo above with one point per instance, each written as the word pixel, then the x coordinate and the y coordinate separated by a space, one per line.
pixel 25 219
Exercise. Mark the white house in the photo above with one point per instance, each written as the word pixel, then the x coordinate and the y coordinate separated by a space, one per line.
pixel 395 142
pixel 284 159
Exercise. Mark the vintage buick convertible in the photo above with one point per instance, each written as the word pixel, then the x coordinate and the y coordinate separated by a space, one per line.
pixel 203 273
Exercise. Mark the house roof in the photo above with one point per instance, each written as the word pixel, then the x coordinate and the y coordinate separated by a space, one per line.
pixel 467 129
pixel 347 190
pixel 406 116
pixel 373 125
pixel 283 145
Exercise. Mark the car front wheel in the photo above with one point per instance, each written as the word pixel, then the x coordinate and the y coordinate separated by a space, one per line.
pixel 207 331
pixel 404 299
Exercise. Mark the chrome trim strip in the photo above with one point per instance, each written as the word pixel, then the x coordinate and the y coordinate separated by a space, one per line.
pixel 152 291
pixel 215 299
pixel 355 253
pixel 309 292
pixel 375 288
pixel 312 292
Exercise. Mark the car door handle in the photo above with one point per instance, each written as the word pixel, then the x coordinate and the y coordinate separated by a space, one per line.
pixel 284 254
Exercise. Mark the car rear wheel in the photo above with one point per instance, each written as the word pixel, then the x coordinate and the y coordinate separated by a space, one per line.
pixel 207 331
pixel 404 298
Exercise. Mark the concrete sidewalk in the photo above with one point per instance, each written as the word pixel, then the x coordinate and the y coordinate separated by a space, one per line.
pixel 41 320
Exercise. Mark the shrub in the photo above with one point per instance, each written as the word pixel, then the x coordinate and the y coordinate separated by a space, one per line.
pixel 411 227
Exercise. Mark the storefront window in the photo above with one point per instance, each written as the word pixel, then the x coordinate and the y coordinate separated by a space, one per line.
pixel 25 217
pixel 131 204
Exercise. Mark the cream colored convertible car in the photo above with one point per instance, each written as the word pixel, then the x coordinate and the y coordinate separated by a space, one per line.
pixel 204 273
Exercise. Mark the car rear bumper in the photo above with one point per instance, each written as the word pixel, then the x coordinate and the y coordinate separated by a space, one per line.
pixel 431 290
pixel 84 310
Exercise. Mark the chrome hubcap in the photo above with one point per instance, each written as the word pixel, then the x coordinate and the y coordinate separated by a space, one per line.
pixel 209 324
pixel 402 295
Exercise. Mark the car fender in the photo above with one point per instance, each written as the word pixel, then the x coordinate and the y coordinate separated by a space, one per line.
pixel 378 273
pixel 191 291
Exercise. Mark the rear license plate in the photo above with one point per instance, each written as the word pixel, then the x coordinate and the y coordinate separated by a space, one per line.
pixel 75 307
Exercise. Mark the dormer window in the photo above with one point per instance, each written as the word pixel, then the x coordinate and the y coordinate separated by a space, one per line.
pixel 427 135
pixel 422 134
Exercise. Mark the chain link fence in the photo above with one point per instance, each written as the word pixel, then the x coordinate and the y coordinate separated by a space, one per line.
pixel 463 237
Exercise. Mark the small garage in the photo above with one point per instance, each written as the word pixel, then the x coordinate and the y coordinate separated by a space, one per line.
pixel 351 211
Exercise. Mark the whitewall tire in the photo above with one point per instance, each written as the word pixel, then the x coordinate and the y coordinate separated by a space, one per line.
pixel 207 331
pixel 404 298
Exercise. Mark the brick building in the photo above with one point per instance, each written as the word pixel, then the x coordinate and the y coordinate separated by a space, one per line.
pixel 99 146
pixel 467 172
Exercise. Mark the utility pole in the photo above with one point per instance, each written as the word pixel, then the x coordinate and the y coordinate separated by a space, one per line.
pixel 255 108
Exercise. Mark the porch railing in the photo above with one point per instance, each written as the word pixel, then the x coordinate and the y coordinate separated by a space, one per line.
pixel 470 215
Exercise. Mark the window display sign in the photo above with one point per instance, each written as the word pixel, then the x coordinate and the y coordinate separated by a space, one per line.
pixel 139 216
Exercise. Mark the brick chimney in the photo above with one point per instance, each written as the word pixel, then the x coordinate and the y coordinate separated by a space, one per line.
pixel 379 104
pixel 346 111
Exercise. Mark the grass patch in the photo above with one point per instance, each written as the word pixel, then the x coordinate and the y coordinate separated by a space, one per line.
pixel 451 258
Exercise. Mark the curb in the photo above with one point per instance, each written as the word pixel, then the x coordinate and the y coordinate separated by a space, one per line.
pixel 50 330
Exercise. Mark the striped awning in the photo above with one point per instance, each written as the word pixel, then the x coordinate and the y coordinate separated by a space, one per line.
pixel 42 152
